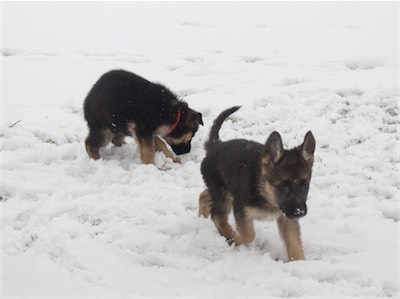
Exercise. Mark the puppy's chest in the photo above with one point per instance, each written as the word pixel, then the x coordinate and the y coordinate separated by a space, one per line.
pixel 260 208
pixel 263 213
pixel 163 130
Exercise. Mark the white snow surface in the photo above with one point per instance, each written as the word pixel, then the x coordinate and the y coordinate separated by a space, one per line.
pixel 74 227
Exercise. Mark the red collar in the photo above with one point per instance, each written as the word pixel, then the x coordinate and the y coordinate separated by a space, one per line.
pixel 178 118
pixel 266 203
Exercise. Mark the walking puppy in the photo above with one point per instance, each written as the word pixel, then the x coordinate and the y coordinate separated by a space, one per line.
pixel 258 182
pixel 123 104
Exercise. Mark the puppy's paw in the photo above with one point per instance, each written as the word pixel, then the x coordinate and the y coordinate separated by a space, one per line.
pixel 177 160
pixel 231 241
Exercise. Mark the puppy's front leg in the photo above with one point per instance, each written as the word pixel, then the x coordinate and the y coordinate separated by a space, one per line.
pixel 161 147
pixel 147 151
pixel 223 226
pixel 290 233
pixel 246 231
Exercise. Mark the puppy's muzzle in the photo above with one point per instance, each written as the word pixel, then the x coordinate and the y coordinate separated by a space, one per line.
pixel 182 148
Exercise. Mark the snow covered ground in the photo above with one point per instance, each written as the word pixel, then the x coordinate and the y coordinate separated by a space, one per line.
pixel 73 227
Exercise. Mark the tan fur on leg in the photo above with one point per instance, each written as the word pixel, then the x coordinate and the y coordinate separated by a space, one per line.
pixel 92 152
pixel 108 136
pixel 118 140
pixel 224 228
pixel 290 233
pixel 204 204
pixel 147 151
pixel 246 232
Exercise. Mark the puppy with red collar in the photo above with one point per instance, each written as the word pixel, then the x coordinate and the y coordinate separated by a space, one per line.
pixel 124 104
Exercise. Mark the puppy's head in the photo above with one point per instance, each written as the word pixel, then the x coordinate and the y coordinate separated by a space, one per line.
pixel 287 174
pixel 181 137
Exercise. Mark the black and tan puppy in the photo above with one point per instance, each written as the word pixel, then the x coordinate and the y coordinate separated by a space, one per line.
pixel 258 182
pixel 123 104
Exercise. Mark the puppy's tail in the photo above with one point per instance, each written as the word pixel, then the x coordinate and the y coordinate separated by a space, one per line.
pixel 214 133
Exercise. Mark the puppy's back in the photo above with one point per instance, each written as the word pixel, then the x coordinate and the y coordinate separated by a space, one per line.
pixel 121 96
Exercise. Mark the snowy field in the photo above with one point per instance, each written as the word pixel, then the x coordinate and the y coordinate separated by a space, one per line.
pixel 74 227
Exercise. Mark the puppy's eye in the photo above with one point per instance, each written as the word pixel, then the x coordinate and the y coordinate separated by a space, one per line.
pixel 304 185
pixel 284 186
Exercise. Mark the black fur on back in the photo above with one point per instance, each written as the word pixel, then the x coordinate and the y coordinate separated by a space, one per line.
pixel 120 97
pixel 235 165
pixel 232 165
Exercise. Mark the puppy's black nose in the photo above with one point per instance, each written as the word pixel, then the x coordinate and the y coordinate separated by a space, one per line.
pixel 300 212
pixel 297 212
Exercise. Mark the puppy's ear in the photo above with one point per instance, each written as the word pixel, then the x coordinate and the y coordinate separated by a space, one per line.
pixel 273 149
pixel 199 118
pixel 308 147
pixel 195 119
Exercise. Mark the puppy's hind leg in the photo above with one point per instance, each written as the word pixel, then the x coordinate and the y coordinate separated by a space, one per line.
pixel 220 209
pixel 97 138
pixel 204 204
pixel 118 140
